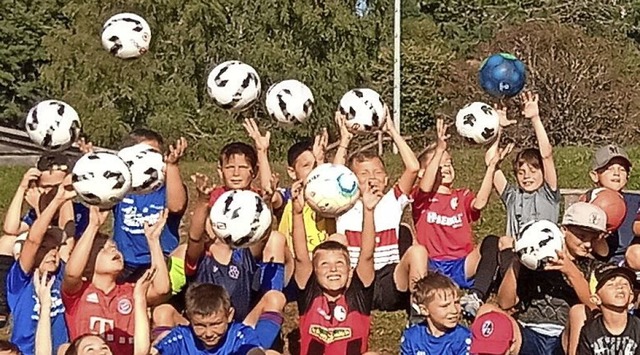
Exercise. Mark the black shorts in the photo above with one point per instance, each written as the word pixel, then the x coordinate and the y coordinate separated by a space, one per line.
pixel 386 296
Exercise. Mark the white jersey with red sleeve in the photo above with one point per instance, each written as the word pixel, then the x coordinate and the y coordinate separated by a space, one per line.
pixel 110 315
pixel 387 218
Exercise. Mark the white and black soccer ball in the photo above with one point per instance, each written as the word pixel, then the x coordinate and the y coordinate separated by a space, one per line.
pixel 234 85
pixel 478 122
pixel 331 190
pixel 240 218
pixel 537 243
pixel 101 179
pixel 53 124
pixel 147 167
pixel 289 101
pixel 126 36
pixel 364 110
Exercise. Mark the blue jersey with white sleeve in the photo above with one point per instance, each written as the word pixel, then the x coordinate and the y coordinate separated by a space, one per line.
pixel 417 340
pixel 238 340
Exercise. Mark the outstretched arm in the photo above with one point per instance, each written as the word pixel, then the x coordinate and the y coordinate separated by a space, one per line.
pixel 264 167
pixel 12 219
pixel 160 286
pixel 303 266
pixel 141 339
pixel 411 164
pixel 42 287
pixel 482 198
pixel 428 181
pixel 499 179
pixel 345 139
pixel 371 195
pixel 196 242
pixel 176 190
pixel 530 111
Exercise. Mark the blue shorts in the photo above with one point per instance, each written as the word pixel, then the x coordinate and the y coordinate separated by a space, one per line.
pixel 453 269
pixel 534 343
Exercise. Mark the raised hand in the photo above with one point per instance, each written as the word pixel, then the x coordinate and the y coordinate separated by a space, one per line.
pixel 297 197
pixel 371 195
pixel 176 152
pixel 530 105
pixel 563 262
pixel 261 142
pixel 65 190
pixel 341 122
pixel 32 196
pixel 143 283
pixel 32 175
pixel 42 287
pixel 501 110
pixel 153 232
pixel 442 136
pixel 320 143
pixel 97 217
pixel 389 125
pixel 501 154
pixel 203 184
pixel 84 146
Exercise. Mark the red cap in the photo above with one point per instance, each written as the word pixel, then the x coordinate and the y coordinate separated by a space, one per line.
pixel 491 333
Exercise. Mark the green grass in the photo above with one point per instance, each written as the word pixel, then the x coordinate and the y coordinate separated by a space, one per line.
pixel 572 165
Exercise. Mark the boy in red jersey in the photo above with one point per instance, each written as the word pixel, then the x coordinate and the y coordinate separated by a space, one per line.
pixel 334 301
pixel 98 304
pixel 443 217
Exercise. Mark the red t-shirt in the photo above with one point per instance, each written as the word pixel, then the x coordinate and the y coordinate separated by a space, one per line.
pixel 218 191
pixel 91 311
pixel 443 222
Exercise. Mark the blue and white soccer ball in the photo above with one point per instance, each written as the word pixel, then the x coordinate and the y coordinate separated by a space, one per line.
pixel 289 102
pixel 537 243
pixel 53 124
pixel 240 218
pixel 502 75
pixel 234 86
pixel 126 35
pixel 331 190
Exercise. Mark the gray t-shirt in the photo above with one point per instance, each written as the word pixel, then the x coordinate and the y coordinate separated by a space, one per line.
pixel 523 207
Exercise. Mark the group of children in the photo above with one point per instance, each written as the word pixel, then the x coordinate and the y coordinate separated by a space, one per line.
pixel 72 289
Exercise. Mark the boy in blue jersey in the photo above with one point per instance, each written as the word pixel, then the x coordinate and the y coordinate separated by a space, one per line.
pixel 41 251
pixel 439 301
pixel 133 211
pixel 212 328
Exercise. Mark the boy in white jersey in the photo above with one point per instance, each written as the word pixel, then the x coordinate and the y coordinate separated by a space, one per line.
pixel 395 273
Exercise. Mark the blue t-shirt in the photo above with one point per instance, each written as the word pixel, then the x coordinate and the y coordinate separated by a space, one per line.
pixel 620 239
pixel 418 340
pixel 238 278
pixel 81 217
pixel 128 226
pixel 24 306
pixel 238 340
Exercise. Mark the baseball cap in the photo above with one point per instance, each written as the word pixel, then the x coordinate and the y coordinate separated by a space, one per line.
pixel 606 272
pixel 491 333
pixel 584 214
pixel 605 154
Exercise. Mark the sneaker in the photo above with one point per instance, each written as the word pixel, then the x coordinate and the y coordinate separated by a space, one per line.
pixel 470 304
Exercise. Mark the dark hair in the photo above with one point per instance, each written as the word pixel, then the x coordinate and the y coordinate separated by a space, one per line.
pixel 426 288
pixel 98 244
pixel 239 148
pixel 140 135
pixel 206 299
pixel 54 161
pixel 363 156
pixel 297 149
pixel 529 156
pixel 6 345
pixel 73 346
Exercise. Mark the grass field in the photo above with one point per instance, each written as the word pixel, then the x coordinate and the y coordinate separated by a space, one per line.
pixel 572 165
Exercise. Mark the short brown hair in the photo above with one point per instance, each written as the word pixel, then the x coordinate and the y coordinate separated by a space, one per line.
pixel 529 156
pixel 206 299
pixel 239 148
pixel 426 288
pixel 363 156
pixel 331 245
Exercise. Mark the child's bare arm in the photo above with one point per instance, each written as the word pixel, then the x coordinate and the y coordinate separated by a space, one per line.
pixel 79 258
pixel 42 287
pixel 530 111
pixel 141 339
pixel 371 195
pixel 303 266
pixel 431 172
pixel 196 241
pixel 264 167
pixel 345 139
pixel 12 219
pixel 161 285
pixel 499 179
pixel 573 275
pixel 176 190
pixel 507 293
pixel 482 198
pixel 411 164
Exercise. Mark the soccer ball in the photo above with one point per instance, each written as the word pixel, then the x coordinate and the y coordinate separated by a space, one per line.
pixel 538 243
pixel 126 36
pixel 101 179
pixel 502 75
pixel 364 109
pixel 53 124
pixel 331 190
pixel 611 202
pixel 478 122
pixel 240 218
pixel 146 165
pixel 234 86
pixel 289 101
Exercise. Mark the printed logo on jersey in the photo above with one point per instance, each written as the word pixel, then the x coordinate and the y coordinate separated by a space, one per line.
pixel 339 313
pixel 330 335
pixel 234 273
pixel 607 345
pixel 454 221
pixel 124 306
pixel 92 298
pixel 454 203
